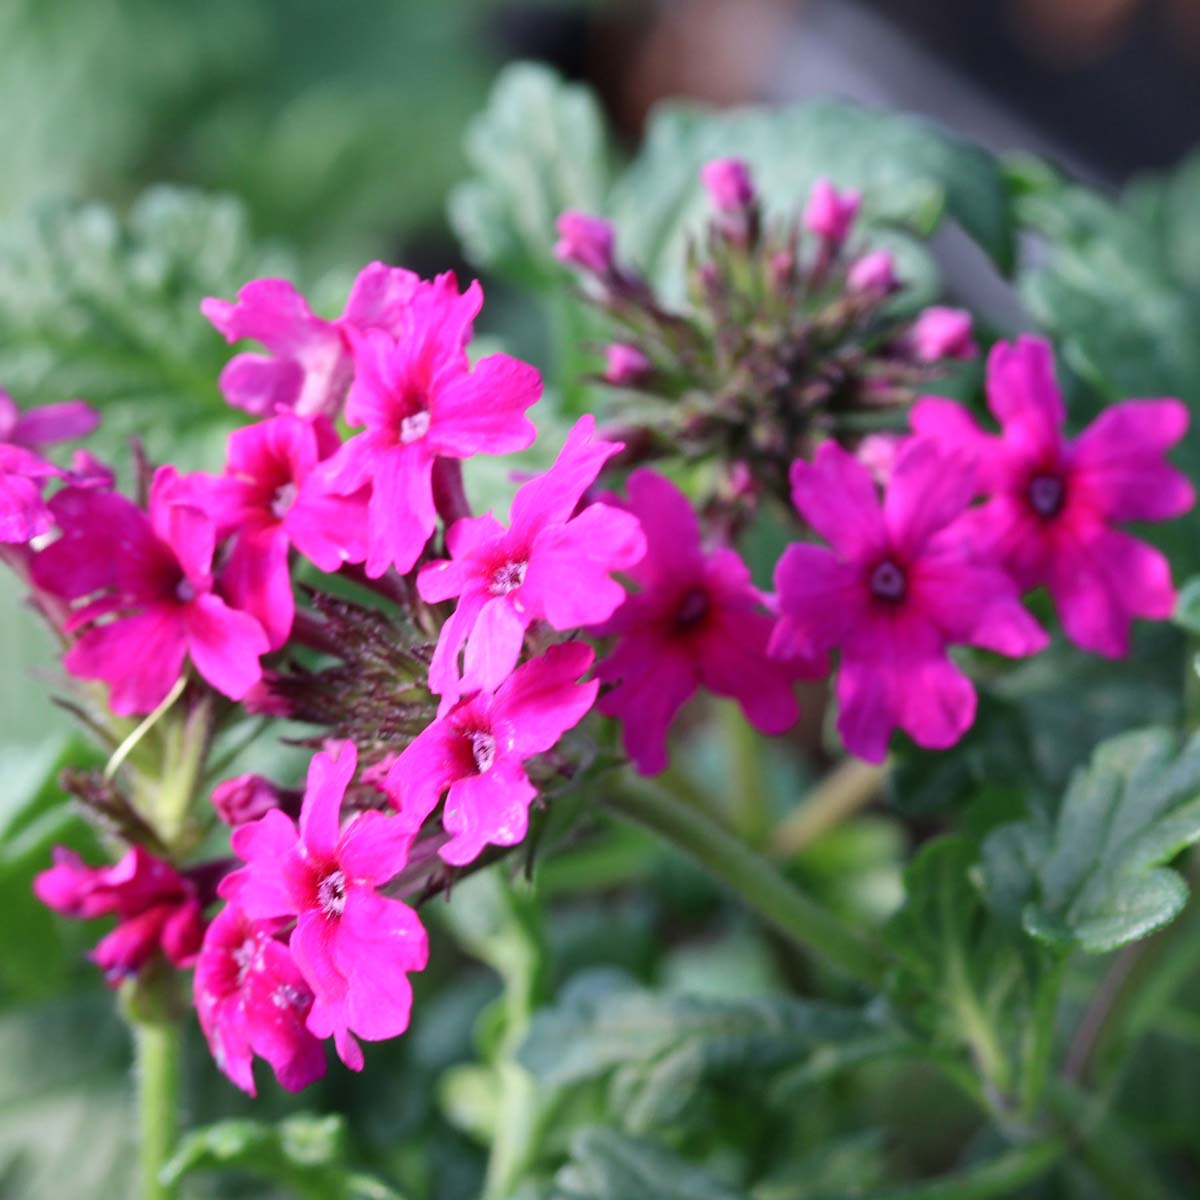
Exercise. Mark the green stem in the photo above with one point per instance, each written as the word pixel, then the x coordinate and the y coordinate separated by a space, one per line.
pixel 157 1047
pixel 847 789
pixel 751 878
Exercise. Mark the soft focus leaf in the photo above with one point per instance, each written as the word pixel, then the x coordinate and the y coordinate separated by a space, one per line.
pixel 607 1165
pixel 1093 878
pixel 660 1049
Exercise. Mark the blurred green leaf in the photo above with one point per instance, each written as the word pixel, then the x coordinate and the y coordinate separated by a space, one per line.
pixel 305 1153
pixel 538 148
pixel 1093 878
pixel 1187 607
pixel 659 1049
pixel 607 1165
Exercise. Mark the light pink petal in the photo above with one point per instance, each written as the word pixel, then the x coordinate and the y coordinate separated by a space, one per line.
pixel 328 530
pixel 542 699
pixel 929 488
pixel 568 579
pixel 484 412
pixel 54 423
pixel 257 581
pixel 401 514
pixel 1119 462
pixel 494 644
pixel 329 775
pixel 836 496
pixel 444 678
pixel 489 809
pixel 1024 395
pixel 426 767
pixel 819 598
pixel 261 889
pixel 380 297
pixel 261 385
pixel 374 847
pixel 24 515
pixel 937 704
pixel 225 645
pixel 312 947
pixel 951 425
pixel 140 657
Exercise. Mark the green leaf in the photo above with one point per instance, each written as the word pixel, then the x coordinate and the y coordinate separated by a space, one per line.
pixel 305 1153
pixel 107 308
pixel 607 1165
pixel 1187 606
pixel 1093 877
pixel 912 173
pixel 658 1050
pixel 539 147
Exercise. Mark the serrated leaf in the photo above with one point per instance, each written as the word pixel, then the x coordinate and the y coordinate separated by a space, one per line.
pixel 607 1165
pixel 911 172
pixel 1093 878
pixel 658 1050
pixel 304 1153
pixel 539 147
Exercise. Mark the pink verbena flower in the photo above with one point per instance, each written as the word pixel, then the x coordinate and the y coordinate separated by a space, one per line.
pixel 353 945
pixel 697 620
pixel 156 908
pixel 309 368
pixel 251 999
pixel 1054 504
pixel 941 333
pixel 829 213
pixel 874 273
pixel 24 514
pixel 419 398
pixel 148 583
pixel 549 564
pixel 246 798
pixel 585 241
pixel 273 498
pixel 728 184
pixel 900 584
pixel 478 750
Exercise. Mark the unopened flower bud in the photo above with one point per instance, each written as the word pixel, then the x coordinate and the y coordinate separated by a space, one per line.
pixel 624 364
pixel 245 798
pixel 940 333
pixel 877 452
pixel 728 183
pixel 873 273
pixel 585 241
pixel 829 213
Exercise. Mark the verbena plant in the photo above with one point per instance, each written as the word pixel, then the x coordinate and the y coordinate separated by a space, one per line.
pixel 360 664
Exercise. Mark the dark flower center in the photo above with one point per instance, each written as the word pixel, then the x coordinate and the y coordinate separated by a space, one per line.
pixel 331 894
pixel 887 581
pixel 692 609
pixel 185 593
pixel 507 578
pixel 1046 495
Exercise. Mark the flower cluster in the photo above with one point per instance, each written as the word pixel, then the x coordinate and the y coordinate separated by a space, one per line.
pixel 445 669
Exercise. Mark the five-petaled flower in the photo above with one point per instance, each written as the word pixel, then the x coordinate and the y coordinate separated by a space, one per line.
pixel 1053 504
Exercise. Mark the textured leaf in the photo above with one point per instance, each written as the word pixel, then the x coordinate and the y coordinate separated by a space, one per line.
pixel 607 1165
pixel 658 1050
pixel 305 1153
pixel 538 148
pixel 1093 878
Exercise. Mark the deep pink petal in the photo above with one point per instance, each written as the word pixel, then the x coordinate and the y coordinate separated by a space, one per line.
pixel 819 599
pixel 670 526
pixel 258 582
pixel 484 412
pixel 494 644
pixel 374 847
pixel 401 514
pixel 1023 395
pixel 329 775
pixel 836 496
pixel 426 767
pixel 262 887
pixel 225 645
pixel 54 423
pixel 380 297
pixel 488 809
pixel 928 489
pixel 542 699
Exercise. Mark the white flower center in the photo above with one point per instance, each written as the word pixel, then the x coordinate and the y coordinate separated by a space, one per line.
pixel 245 956
pixel 507 578
pixel 284 498
pixel 483 747
pixel 415 426
pixel 331 894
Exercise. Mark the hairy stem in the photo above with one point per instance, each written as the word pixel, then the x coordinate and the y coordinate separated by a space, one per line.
pixel 754 880
pixel 157 1073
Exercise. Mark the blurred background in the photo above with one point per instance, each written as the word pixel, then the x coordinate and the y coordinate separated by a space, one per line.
pixel 338 125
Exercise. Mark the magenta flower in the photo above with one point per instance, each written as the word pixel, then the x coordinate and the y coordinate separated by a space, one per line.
pixel 697 620
pixel 246 798
pixel 419 399
pixel 272 497
pixel 353 945
pixel 728 183
pixel 1054 505
pixel 148 583
pixel 900 584
pixel 585 241
pixel 478 750
pixel 251 999
pixel 829 213
pixel 549 565
pixel 624 365
pixel 941 333
pixel 309 368
pixel 874 273
pixel 156 908
pixel 24 514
